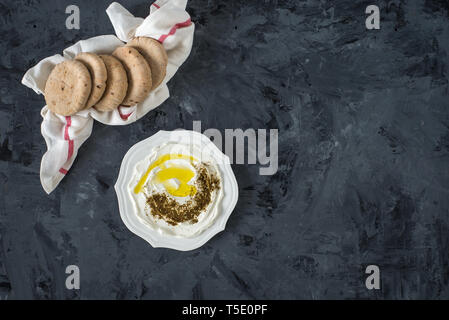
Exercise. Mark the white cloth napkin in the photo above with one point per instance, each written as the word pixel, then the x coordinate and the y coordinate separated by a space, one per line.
pixel 167 22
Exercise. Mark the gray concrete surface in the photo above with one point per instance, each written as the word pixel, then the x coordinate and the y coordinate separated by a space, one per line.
pixel 363 119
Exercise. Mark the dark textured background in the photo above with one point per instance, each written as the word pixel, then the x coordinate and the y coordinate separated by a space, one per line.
pixel 363 119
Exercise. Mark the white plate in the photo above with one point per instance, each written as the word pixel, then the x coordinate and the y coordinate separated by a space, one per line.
pixel 126 206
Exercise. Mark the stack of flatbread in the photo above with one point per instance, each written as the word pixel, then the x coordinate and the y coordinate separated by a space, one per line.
pixel 105 82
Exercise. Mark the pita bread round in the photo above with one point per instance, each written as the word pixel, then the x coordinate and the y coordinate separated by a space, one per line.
pixel 156 56
pixel 138 72
pixel 116 85
pixel 98 74
pixel 68 88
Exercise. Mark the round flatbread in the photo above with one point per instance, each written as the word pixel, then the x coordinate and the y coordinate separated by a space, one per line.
pixel 138 72
pixel 156 56
pixel 116 85
pixel 98 74
pixel 67 88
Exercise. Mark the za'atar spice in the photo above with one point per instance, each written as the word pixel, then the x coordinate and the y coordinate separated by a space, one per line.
pixel 168 208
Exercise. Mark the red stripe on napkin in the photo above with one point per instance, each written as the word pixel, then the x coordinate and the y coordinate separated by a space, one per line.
pixel 68 121
pixel 124 116
pixel 172 31
pixel 156 5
